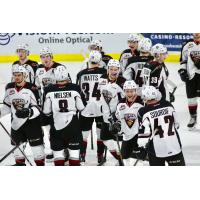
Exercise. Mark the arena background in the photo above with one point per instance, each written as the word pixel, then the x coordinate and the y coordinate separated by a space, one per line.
pixel 73 46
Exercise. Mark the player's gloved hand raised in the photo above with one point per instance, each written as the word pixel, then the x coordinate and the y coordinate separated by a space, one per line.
pixel 183 74
pixel 24 113
pixel 172 97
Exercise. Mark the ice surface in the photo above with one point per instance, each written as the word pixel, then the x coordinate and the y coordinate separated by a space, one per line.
pixel 190 139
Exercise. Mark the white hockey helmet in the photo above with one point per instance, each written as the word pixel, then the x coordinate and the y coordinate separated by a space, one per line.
pixel 145 45
pixel 151 93
pixel 114 63
pixel 23 47
pixel 19 69
pixel 95 44
pixel 95 57
pixel 134 37
pixel 61 73
pixel 130 85
pixel 159 49
pixel 45 51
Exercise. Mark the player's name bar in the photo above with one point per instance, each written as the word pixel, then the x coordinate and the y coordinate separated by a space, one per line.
pixel 172 57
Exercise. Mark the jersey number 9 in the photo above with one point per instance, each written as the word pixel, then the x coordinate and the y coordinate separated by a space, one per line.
pixel 63 105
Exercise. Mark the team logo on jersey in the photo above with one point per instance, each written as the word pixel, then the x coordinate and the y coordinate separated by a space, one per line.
pixel 41 72
pixel 12 92
pixel 104 82
pixel 18 103
pixel 195 55
pixel 130 119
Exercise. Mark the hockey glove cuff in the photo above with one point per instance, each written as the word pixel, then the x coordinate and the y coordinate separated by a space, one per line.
pixel 24 113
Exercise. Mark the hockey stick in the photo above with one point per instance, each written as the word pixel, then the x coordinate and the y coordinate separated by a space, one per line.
pixel 92 140
pixel 104 158
pixel 15 143
pixel 11 151
pixel 107 99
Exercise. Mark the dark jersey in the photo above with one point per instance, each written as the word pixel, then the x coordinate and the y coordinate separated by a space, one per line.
pixel 159 122
pixel 156 74
pixel 105 58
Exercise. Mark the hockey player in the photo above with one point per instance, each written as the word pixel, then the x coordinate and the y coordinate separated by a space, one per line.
pixel 190 74
pixel 111 87
pixel 63 100
pixel 127 124
pixel 88 79
pixel 96 45
pixel 135 64
pixel 21 101
pixel 31 66
pixel 45 71
pixel 158 121
pixel 44 77
pixel 155 72
pixel 133 40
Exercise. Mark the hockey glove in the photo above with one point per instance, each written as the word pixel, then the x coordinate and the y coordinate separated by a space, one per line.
pixel 172 97
pixel 116 127
pixel 139 153
pixel 183 74
pixel 24 113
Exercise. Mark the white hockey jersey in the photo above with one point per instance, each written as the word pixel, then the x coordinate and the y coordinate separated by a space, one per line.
pixel 125 55
pixel 44 77
pixel 189 50
pixel 134 69
pixel 128 116
pixel 18 98
pixel 88 80
pixel 160 117
pixel 63 103
pixel 116 93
